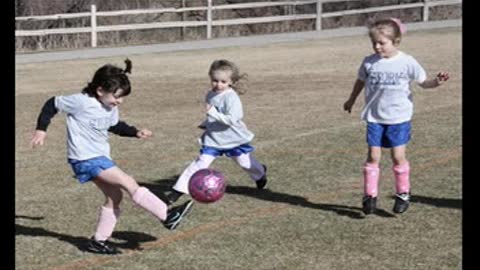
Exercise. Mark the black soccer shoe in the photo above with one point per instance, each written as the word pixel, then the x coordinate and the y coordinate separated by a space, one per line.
pixel 402 201
pixel 176 214
pixel 102 247
pixel 262 181
pixel 369 205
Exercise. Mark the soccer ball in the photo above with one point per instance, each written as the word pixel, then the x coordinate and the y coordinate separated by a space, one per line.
pixel 207 186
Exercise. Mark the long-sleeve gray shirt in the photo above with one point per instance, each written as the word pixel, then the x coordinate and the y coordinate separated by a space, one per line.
pixel 224 126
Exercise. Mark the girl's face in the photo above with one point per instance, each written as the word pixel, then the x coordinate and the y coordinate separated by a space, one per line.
pixel 110 100
pixel 383 46
pixel 221 80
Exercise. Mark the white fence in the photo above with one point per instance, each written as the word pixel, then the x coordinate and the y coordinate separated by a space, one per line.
pixel 209 22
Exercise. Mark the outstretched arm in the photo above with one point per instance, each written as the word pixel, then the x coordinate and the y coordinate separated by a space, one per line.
pixel 439 79
pixel 44 118
pixel 125 130
pixel 357 88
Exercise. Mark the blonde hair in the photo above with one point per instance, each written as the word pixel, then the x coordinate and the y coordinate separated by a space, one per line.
pixel 238 79
pixel 389 28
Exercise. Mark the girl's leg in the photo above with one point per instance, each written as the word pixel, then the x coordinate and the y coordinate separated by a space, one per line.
pixel 254 168
pixel 140 195
pixel 371 171
pixel 401 169
pixel 109 212
pixel 202 162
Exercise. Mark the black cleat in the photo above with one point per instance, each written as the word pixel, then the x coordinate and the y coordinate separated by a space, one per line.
pixel 102 247
pixel 262 181
pixel 401 202
pixel 176 214
pixel 369 205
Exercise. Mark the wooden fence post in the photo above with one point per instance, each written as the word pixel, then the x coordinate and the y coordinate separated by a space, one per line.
pixel 209 19
pixel 93 23
pixel 425 10
pixel 318 23
pixel 183 19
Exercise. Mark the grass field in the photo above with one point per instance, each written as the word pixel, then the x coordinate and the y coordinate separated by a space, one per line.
pixel 309 218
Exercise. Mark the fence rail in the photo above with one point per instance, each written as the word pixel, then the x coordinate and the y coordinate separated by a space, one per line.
pixel 209 22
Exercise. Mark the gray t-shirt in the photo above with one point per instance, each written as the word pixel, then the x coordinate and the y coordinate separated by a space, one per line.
pixel 224 126
pixel 388 99
pixel 88 122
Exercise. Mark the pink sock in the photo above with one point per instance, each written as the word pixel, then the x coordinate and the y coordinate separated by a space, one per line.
pixel 107 218
pixel 371 174
pixel 148 201
pixel 402 178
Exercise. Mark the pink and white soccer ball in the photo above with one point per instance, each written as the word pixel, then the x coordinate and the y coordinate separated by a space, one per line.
pixel 207 186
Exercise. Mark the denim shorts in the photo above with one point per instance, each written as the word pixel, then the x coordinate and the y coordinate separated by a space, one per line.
pixel 86 170
pixel 232 152
pixel 388 136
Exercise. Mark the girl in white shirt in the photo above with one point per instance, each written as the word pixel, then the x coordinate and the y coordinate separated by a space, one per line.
pixel 225 132
pixel 386 76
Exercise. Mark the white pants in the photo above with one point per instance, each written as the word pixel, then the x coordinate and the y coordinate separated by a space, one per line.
pixel 246 161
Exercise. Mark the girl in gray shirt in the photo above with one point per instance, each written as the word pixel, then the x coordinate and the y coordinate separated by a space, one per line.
pixel 91 114
pixel 225 132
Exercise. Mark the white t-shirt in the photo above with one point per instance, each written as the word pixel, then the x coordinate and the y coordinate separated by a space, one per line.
pixel 88 122
pixel 388 99
pixel 224 126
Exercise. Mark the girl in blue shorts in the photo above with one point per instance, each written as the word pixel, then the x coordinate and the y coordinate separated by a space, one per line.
pixel 388 110
pixel 225 132
pixel 91 114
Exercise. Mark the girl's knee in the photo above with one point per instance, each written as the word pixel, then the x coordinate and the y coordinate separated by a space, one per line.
pixel 203 161
pixel 374 155
pixel 243 162
pixel 114 198
pixel 374 159
pixel 399 160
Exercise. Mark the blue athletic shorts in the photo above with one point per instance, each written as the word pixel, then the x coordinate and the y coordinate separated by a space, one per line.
pixel 388 136
pixel 86 170
pixel 233 152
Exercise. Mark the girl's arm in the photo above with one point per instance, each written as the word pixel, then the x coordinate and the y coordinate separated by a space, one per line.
pixel 46 114
pixel 125 130
pixel 439 79
pixel 357 88
pixel 231 116
pixel 44 118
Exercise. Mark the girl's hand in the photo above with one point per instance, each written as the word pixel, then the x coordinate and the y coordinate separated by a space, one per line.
pixel 347 106
pixel 144 133
pixel 207 107
pixel 38 138
pixel 442 77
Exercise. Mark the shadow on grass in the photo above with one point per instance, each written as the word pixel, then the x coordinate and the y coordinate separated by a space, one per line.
pixel 160 186
pixel 127 240
pixel 438 202
pixel 268 195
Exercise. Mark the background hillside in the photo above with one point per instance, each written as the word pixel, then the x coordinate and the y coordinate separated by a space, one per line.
pixel 137 37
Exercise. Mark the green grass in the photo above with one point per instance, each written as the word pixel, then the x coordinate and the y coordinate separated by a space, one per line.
pixel 310 216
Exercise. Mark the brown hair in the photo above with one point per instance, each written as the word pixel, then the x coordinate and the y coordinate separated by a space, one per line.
pixel 110 78
pixel 238 79
pixel 388 28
